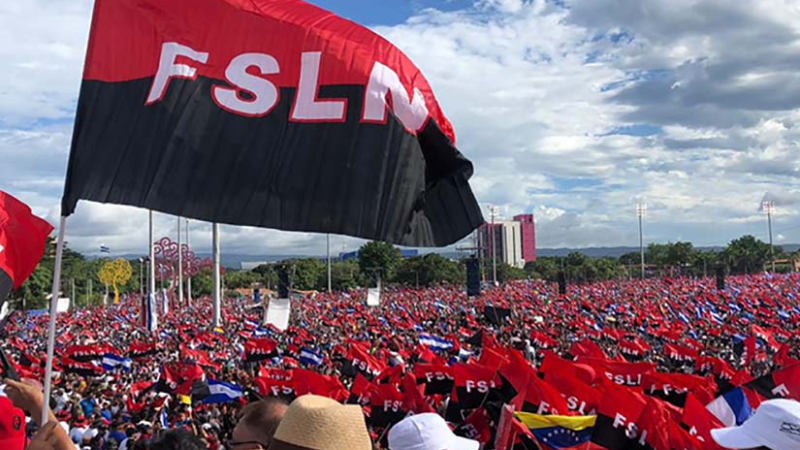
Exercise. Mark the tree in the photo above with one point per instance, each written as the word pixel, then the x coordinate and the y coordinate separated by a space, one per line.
pixel 344 275
pixel 33 292
pixel 748 254
pixel 115 273
pixel 680 254
pixel 241 279
pixel 431 269
pixel 268 275
pixel 543 268
pixel 507 272
pixel 309 274
pixel 379 256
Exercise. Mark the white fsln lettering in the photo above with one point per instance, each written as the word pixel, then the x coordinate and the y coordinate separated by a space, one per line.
pixel 265 94
pixel 781 390
pixel 383 81
pixel 167 68
pixel 306 106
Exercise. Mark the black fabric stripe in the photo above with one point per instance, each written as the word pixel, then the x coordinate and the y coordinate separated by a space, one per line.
pixel 6 285
pixel 187 156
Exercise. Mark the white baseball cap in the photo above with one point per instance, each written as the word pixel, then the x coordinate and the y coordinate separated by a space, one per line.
pixel 775 425
pixel 427 431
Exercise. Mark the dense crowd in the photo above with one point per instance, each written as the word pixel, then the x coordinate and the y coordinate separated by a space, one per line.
pixel 653 349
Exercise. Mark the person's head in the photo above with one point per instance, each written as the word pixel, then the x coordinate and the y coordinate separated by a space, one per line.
pixel 427 432
pixel 177 439
pixel 257 424
pixel 319 423
pixel 12 426
pixel 774 426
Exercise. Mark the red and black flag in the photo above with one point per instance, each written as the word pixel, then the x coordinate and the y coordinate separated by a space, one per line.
pixel 142 350
pixel 85 353
pixel 84 369
pixel 260 349
pixel 222 110
pixel 618 419
pixel 782 383
pixel 474 384
pixel 438 379
pixel 388 406
pixel 22 242
pixel 269 387
pixel 358 360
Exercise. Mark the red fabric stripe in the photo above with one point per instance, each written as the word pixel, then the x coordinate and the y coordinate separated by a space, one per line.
pixel 127 35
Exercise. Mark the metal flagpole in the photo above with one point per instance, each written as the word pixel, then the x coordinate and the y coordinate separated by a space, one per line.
pixel 51 332
pixel 189 279
pixel 769 208
pixel 493 211
pixel 152 282
pixel 141 277
pixel 641 211
pixel 180 266
pixel 216 280
pixel 329 262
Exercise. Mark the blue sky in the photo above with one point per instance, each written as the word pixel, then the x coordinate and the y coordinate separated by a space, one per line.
pixel 571 109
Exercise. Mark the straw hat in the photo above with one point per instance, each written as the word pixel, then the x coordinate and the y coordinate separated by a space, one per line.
pixel 319 423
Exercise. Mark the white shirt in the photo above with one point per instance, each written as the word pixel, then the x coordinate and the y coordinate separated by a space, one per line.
pixel 76 434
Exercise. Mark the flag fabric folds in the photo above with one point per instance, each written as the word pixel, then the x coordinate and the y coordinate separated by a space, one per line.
pixel 310 357
pixel 559 432
pixel 22 243
pixel 225 129
pixel 214 391
pixel 435 342
pixel 112 362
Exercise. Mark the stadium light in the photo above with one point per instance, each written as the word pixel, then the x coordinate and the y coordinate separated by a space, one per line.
pixel 493 212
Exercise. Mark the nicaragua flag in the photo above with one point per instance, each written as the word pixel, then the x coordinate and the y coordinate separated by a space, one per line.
pixel 683 318
pixel 162 418
pixel 783 314
pixel 112 362
pixel 105 249
pixel 732 408
pixel 435 342
pixel 310 358
pixel 222 392
pixel 262 332
pixel 149 312
pixel 717 318
pixel 559 432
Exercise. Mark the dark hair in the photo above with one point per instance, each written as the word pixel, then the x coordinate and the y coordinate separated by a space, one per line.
pixel 261 417
pixel 177 439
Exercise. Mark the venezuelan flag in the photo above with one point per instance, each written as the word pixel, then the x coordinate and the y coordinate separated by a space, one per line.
pixel 559 432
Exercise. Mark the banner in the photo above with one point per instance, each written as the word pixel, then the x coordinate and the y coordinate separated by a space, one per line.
pixel 269 114
pixel 278 313
pixel 373 297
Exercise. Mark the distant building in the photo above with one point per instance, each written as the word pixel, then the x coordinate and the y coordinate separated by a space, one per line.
pixel 514 241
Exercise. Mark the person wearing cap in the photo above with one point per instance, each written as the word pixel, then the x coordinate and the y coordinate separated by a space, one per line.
pixel 319 423
pixel 12 426
pixel 427 431
pixel 774 426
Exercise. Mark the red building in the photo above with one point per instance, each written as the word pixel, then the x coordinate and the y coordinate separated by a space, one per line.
pixel 528 228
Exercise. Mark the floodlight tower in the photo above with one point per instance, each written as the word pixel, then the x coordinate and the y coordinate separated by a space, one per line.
pixel 768 206
pixel 641 211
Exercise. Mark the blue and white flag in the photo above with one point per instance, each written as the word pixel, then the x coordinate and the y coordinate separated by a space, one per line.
pixel 112 362
pixel 310 358
pixel 732 408
pixel 150 313
pixel 165 301
pixel 683 318
pixel 717 318
pixel 464 354
pixel 162 418
pixel 783 314
pixel 222 392
pixel 104 249
pixel 435 342
pixel 262 332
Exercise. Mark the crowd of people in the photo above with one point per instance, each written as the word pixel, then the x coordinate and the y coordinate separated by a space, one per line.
pixel 644 361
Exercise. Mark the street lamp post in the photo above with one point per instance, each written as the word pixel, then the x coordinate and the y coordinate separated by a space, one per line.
pixel 641 211
pixel 769 207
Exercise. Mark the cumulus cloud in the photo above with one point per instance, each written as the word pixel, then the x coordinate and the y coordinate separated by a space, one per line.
pixel 571 109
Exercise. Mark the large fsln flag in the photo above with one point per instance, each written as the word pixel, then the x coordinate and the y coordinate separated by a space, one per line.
pixel 269 113
pixel 22 242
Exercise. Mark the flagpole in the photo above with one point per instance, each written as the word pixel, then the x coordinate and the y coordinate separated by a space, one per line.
pixel 152 284
pixel 180 266
pixel 188 279
pixel 216 281
pixel 329 262
pixel 51 333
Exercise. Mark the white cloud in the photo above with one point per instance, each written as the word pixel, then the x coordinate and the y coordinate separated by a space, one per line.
pixel 571 113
